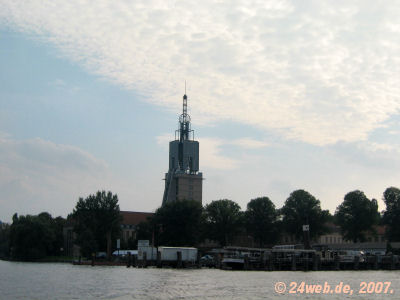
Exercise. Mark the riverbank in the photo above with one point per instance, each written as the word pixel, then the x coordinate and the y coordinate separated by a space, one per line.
pixel 46 259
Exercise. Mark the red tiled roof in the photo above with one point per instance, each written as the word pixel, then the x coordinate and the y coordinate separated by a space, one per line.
pixel 332 227
pixel 134 217
pixel 380 230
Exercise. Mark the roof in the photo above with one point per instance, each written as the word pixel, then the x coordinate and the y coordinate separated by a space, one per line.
pixel 134 217
pixel 362 246
pixel 124 252
pixel 175 248
pixel 333 228
pixel 380 229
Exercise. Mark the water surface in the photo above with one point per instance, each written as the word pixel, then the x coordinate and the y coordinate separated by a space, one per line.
pixel 65 281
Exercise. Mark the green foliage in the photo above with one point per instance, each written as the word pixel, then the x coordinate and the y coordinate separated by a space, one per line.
pixel 223 219
pixel 144 230
pixel 302 208
pixel 4 240
pixel 261 220
pixel 33 237
pixel 391 216
pixel 178 224
pixel 97 222
pixel 356 215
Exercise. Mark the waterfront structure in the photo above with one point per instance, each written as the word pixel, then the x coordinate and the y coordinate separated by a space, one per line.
pixel 334 236
pixel 183 181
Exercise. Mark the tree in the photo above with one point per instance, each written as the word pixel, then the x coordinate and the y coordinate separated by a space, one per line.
pixel 4 240
pixel 97 222
pixel 58 244
pixel 261 217
pixel 223 220
pixel 145 230
pixel 33 237
pixel 177 223
pixel 356 215
pixel 391 216
pixel 302 208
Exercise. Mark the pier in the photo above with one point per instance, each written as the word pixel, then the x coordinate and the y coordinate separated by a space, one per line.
pixel 242 258
pixel 254 259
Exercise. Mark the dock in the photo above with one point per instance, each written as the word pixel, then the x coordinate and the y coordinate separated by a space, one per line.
pixel 241 258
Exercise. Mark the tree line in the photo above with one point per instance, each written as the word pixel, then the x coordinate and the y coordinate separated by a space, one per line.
pixel 32 237
pixel 97 223
pixel 186 223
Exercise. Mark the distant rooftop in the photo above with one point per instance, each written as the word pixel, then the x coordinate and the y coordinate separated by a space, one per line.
pixel 134 217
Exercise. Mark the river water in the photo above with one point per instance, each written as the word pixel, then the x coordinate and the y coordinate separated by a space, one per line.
pixel 65 281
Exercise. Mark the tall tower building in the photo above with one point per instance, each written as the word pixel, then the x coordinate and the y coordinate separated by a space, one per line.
pixel 183 180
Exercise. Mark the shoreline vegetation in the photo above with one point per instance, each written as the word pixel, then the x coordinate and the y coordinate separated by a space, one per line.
pixel 96 223
pixel 47 259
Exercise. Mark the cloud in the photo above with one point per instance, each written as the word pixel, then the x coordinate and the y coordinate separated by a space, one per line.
pixel 164 139
pixel 212 156
pixel 319 72
pixel 369 155
pixel 36 173
pixel 249 143
pixel 58 83
pixel 63 86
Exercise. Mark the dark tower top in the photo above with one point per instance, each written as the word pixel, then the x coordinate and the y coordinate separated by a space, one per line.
pixel 184 122
pixel 183 180
pixel 184 151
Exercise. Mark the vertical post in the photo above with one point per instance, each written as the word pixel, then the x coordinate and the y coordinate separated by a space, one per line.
pixel 118 247
pixel 158 259
pixel 356 262
pixel 218 261
pixel 279 259
pixel 375 263
pixel 198 259
pixel 93 255
pixel 109 245
pixel 144 259
pixel 306 236
pixel 246 262
pixel 306 261
pixel 293 262
pixel 134 264
pixel 392 264
pixel 315 258
pixel 179 257
pixel 337 262
pixel 262 260
pixel 129 260
pixel 270 262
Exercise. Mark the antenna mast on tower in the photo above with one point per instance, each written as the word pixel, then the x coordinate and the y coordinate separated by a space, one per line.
pixel 184 120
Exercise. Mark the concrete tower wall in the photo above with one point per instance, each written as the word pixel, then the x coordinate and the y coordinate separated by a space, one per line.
pixel 185 187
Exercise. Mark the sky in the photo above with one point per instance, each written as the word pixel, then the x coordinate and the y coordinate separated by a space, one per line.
pixel 283 95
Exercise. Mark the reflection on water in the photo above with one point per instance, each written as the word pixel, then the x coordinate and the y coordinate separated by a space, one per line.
pixel 65 281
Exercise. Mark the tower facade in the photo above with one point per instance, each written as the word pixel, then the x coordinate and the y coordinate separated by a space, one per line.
pixel 183 180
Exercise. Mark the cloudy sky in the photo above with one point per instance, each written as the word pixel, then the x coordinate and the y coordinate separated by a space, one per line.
pixel 282 94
